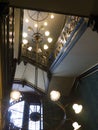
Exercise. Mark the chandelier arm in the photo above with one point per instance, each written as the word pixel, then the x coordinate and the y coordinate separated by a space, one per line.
pixel 36 76
pixel 64 117
pixel 37 21
pixel 36 67
pixel 61 106
pixel 33 30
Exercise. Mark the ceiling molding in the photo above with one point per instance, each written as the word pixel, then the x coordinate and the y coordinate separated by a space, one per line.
pixel 76 7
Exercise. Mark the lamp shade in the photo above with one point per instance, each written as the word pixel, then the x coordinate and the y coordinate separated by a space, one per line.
pixel 15 95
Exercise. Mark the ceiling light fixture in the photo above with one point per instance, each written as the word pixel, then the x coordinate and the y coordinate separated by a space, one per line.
pixel 29 48
pixel 47 33
pixel 52 16
pixel 38 36
pixel 25 41
pixel 50 39
pixel 25 34
pixel 10 39
pixel 26 20
pixel 15 95
pixel 77 108
pixel 55 95
pixel 76 126
pixel 45 23
pixel 36 25
pixel 45 47
pixel 10 33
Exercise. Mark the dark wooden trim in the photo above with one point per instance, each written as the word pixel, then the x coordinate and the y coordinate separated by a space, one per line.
pixel 33 62
pixel 85 74
pixel 20 36
pixel 24 82
pixel 91 70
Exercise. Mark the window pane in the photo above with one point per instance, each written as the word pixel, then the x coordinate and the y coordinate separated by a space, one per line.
pixel 17 114
pixel 32 124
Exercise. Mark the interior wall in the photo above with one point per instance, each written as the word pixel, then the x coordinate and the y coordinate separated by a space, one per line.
pixel 62 84
pixel 0 92
pixel 87 91
pixel 0 81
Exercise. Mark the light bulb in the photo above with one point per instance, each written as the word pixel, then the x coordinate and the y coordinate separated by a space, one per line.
pixel 52 16
pixel 45 23
pixel 45 47
pixel 25 41
pixel 50 39
pixel 26 20
pixel 36 25
pixel 10 33
pixel 10 39
pixel 15 95
pixel 77 108
pixel 25 34
pixel 29 48
pixel 54 95
pixel 76 126
pixel 47 33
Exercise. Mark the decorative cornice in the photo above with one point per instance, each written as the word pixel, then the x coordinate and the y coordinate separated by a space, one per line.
pixel 76 34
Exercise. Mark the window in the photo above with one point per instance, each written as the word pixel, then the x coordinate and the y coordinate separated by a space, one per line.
pixel 22 112
pixel 16 114
pixel 36 125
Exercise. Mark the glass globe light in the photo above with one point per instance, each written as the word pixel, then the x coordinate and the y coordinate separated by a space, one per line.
pixel 25 41
pixel 77 108
pixel 15 95
pixel 45 47
pixel 29 48
pixel 54 95
pixel 45 23
pixel 76 126
pixel 52 16
pixel 47 33
pixel 25 34
pixel 50 39
pixel 26 20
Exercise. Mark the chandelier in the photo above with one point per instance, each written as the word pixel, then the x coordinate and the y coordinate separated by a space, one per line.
pixel 36 37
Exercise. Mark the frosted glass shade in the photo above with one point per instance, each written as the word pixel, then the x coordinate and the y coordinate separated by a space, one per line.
pixel 15 95
pixel 54 95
